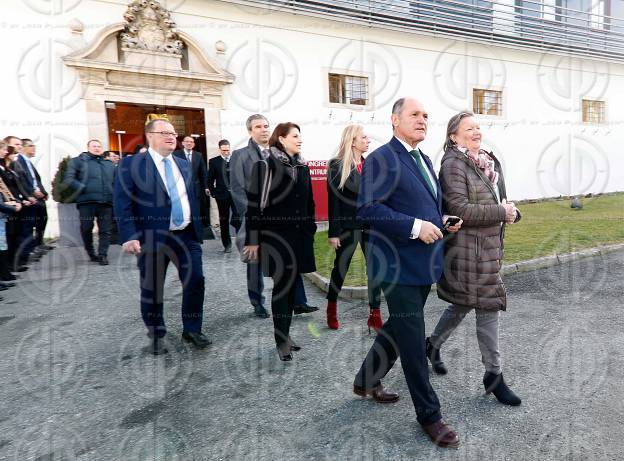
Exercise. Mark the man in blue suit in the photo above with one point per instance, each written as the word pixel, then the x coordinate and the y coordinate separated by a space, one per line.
pixel 159 221
pixel 401 200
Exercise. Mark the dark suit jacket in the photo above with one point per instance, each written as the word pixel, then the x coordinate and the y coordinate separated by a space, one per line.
pixel 342 202
pixel 241 164
pixel 28 179
pixel 219 178
pixel 392 193
pixel 142 205
pixel 198 170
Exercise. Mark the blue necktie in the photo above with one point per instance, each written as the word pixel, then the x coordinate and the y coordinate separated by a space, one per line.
pixel 177 215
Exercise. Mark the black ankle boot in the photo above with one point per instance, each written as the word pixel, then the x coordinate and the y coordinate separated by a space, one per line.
pixel 434 357
pixel 496 385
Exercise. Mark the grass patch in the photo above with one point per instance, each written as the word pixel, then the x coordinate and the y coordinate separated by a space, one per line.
pixel 546 228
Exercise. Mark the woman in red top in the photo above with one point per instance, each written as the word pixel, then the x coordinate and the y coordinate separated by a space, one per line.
pixel 345 230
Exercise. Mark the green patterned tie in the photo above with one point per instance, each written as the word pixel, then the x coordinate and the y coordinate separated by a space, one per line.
pixel 423 170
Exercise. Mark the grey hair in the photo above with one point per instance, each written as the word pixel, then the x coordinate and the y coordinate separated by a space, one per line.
pixel 397 107
pixel 254 117
pixel 453 126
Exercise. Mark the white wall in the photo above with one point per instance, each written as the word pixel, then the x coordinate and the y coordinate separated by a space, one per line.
pixel 281 60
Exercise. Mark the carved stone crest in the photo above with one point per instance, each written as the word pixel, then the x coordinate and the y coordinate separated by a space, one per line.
pixel 149 27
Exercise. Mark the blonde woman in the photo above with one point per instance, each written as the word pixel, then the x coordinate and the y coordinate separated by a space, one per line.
pixel 345 230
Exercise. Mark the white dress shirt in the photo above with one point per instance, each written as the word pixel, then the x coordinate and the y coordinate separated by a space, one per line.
pixel 31 170
pixel 179 181
pixel 188 154
pixel 417 222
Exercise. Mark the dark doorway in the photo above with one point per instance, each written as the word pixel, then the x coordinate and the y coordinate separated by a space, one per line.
pixel 126 124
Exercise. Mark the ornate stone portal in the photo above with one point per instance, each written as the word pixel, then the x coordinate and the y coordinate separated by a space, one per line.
pixel 146 60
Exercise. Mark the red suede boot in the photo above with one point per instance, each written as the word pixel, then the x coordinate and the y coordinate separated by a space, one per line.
pixel 374 320
pixel 332 315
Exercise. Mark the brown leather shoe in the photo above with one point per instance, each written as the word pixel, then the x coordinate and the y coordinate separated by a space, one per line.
pixel 442 435
pixel 379 393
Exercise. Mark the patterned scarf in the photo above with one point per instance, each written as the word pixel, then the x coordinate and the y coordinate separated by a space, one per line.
pixel 484 162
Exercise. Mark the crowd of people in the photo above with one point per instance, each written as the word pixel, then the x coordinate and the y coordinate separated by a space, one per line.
pixel 23 213
pixel 414 228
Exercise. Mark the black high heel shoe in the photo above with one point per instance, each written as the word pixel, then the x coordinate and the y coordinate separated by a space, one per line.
pixel 283 355
pixel 293 346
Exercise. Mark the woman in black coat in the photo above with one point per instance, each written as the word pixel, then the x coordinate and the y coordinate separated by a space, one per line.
pixel 20 193
pixel 345 230
pixel 280 225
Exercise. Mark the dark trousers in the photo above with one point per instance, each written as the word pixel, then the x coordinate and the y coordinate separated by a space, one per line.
pixel 300 294
pixel 26 244
pixel 225 205
pixel 41 221
pixel 403 335
pixel 186 254
pixel 282 303
pixel 13 234
pixel 255 284
pixel 349 240
pixel 255 287
pixel 4 265
pixel 103 213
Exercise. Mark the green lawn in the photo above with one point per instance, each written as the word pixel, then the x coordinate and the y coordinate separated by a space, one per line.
pixel 546 228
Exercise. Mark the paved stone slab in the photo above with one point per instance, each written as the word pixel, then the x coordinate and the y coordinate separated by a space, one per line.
pixel 74 383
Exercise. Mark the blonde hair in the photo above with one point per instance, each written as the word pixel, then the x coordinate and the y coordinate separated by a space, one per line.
pixel 345 154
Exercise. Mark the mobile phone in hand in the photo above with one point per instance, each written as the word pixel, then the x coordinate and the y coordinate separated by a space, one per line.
pixel 451 221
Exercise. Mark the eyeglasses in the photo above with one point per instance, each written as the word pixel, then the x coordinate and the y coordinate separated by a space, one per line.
pixel 165 133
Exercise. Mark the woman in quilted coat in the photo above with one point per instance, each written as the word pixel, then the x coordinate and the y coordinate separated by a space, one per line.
pixel 473 188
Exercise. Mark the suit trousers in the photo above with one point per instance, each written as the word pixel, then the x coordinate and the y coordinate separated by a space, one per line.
pixel 349 240
pixel 103 213
pixel 185 253
pixel 403 335
pixel 41 221
pixel 224 206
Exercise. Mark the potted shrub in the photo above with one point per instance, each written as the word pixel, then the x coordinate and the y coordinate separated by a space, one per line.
pixel 68 217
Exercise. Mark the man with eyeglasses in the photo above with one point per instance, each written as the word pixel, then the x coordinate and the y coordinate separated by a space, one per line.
pixel 159 221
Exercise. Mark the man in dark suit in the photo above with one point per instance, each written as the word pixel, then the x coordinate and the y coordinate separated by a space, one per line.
pixel 36 215
pixel 200 177
pixel 401 200
pixel 159 221
pixel 219 186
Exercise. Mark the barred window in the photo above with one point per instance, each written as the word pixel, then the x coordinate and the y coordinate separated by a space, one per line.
pixel 487 102
pixel 348 89
pixel 593 111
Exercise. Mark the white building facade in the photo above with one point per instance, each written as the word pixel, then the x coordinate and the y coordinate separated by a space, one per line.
pixel 547 77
